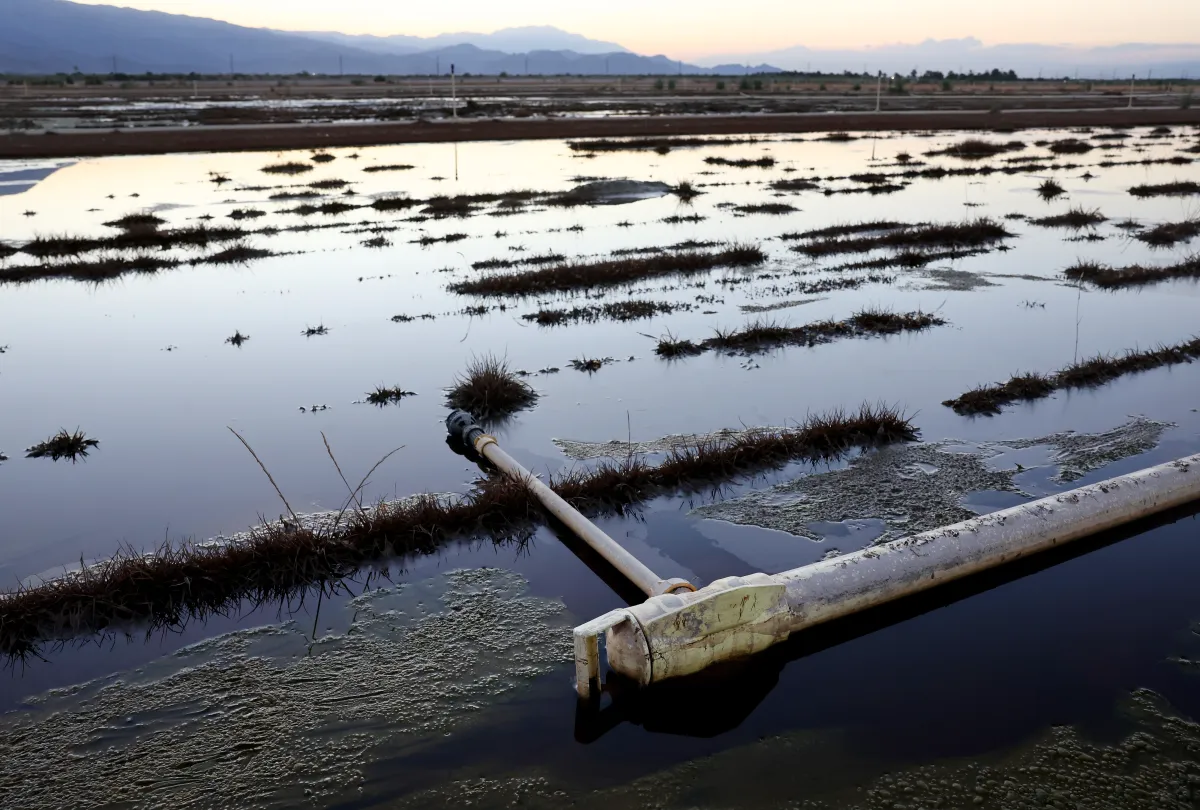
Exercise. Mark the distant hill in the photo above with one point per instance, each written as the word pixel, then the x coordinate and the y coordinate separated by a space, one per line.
pixel 507 40
pixel 49 36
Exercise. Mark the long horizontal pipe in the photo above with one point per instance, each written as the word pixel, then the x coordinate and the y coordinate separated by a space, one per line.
pixel 680 634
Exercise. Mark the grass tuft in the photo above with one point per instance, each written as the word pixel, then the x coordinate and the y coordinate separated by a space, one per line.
pixel 1049 189
pixel 237 339
pixel 73 446
pixel 489 390
pixel 382 395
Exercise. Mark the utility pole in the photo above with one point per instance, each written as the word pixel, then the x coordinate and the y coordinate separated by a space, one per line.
pixel 453 93
pixel 879 91
pixel 1132 79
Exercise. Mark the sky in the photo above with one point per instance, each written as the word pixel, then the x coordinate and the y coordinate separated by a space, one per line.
pixel 694 28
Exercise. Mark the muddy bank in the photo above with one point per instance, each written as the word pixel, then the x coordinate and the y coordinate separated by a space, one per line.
pixel 919 487
pixel 272 137
pixel 286 720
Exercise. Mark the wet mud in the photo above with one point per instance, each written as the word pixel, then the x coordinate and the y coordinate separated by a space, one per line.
pixel 283 718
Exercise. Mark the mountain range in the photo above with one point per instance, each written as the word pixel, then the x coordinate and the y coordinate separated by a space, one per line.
pixel 49 36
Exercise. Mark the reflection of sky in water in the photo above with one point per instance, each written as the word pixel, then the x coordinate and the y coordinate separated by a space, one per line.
pixel 95 357
pixel 19 176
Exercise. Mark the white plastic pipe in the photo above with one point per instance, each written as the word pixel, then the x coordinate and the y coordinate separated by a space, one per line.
pixel 630 566
pixel 680 634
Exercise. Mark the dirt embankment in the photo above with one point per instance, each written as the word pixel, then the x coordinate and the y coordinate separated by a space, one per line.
pixel 249 138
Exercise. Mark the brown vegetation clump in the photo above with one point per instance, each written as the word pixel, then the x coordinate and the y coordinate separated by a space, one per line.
pixel 1071 146
pixel 390 167
pixel 661 145
pixel 1176 189
pixel 1049 189
pixel 978 149
pixel 137 221
pixel 394 203
pixel 1077 218
pixel 1112 278
pixel 240 253
pixel 766 208
pixel 617 311
pixel 489 390
pixel 764 162
pixel 609 272
pixel 281 561
pixel 292 167
pixel 382 395
pixel 973 234
pixel 63 444
pixel 759 335
pixel 988 400
pixel 1169 234
pixel 672 348
pixel 797 184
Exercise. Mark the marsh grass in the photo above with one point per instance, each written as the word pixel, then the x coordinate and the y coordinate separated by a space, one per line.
pixel 1090 373
pixel 761 334
pixel 1169 234
pixel 489 390
pixel 1179 188
pixel 315 331
pixel 292 167
pixel 590 364
pixel 764 162
pixel 1111 278
pixel 281 561
pixel 978 149
pixel 797 184
pixel 383 395
pixel 390 167
pixel 973 234
pixel 632 310
pixel 1071 146
pixel 766 208
pixel 64 445
pixel 611 272
pixel 1077 218
pixel 140 221
pixel 660 145
pixel 246 213
pixel 1049 189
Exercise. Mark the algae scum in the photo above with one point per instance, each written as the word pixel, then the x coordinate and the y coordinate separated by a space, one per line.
pixel 709 290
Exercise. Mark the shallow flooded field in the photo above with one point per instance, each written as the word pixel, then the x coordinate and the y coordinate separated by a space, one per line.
pixel 275 302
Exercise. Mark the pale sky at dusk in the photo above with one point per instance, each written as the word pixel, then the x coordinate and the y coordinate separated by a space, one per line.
pixel 693 28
